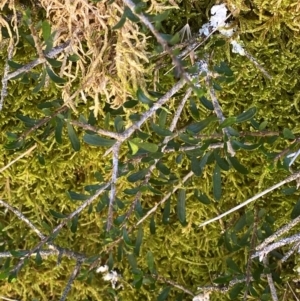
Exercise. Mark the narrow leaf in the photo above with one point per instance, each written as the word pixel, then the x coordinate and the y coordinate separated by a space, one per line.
pixel 228 121
pixel 296 210
pixel 142 97
pixel 98 141
pixel 199 126
pixel 237 165
pixel 46 30
pixel 73 138
pixel 160 131
pixel 54 77
pixel 164 294
pixel 137 176
pixel 150 147
pixel 181 212
pixel 249 114
pixel 57 214
pixel 287 134
pixel 139 240
pixel 166 212
pixel 150 262
pixel 38 258
pixel 217 184
pixel 77 196
pixel 120 24
pixel 152 225
pixel 74 224
pixel 58 130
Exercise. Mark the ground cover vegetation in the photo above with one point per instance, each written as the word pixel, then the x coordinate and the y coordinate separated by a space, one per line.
pixel 143 159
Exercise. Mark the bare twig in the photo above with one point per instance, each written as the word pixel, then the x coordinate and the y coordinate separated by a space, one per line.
pixel 95 130
pixel 115 154
pixel 18 158
pixel 8 299
pixel 257 196
pixel 290 252
pixel 285 241
pixel 270 281
pixel 51 54
pixel 71 280
pixel 259 66
pixel 60 226
pixel 6 70
pixel 278 233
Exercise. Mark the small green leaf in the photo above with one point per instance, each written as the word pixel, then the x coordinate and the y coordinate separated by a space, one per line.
pixel 77 196
pixel 181 211
pixel 53 62
pixel 58 130
pixel 143 98
pixel 46 30
pixel 121 23
pixel 73 137
pixel 234 292
pixel 227 122
pixel 289 191
pixel 150 262
pixel 237 165
pixel 130 15
pixel 263 125
pixel 217 183
pixel 54 77
pixel 18 254
pixel 287 134
pixel 166 212
pixel 152 225
pixel 232 265
pixel 160 17
pixel 222 162
pixel 150 147
pixel 137 176
pixel 249 114
pixel 119 124
pixel 57 214
pixel 164 294
pixel 132 261
pixel 163 168
pixel 126 238
pixel 206 103
pixel 162 118
pixel 139 240
pixel 202 197
pixel 223 69
pixel 241 223
pixel 96 140
pixel 74 224
pixel 160 131
pixel 14 65
pixel 73 58
pixel 199 126
pixel 296 210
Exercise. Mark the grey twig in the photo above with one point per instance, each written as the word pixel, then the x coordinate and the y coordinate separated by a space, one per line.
pixel 51 54
pixel 71 280
pixel 291 178
pixel 270 281
pixel 290 252
pixel 112 196
pixel 60 226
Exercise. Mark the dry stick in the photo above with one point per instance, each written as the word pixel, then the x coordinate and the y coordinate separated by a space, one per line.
pixel 160 40
pixel 136 126
pixel 18 158
pixel 6 70
pixel 8 299
pixel 185 178
pixel 270 281
pixel 54 250
pixel 249 263
pixel 89 127
pixel 60 226
pixel 71 280
pixel 219 113
pixel 166 140
pixel 278 233
pixel 290 252
pixel 173 284
pixel 115 154
pixel 42 122
pixel 262 253
pixel 51 54
pixel 257 196
pixel 254 61
pixel 293 292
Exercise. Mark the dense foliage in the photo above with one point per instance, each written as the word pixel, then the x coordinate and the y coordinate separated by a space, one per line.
pixel 123 130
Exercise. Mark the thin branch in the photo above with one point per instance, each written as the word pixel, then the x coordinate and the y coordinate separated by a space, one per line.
pixel 270 281
pixel 112 196
pixel 61 225
pixel 219 113
pixel 95 130
pixel 171 282
pixel 278 233
pixel 6 70
pixel 160 40
pixel 71 280
pixel 136 126
pixel 51 54
pixel 257 196
pixel 18 158
pixel 286 241
pixel 290 252
pixel 260 67
pixel 152 210
pixel 293 292
pixel 8 299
